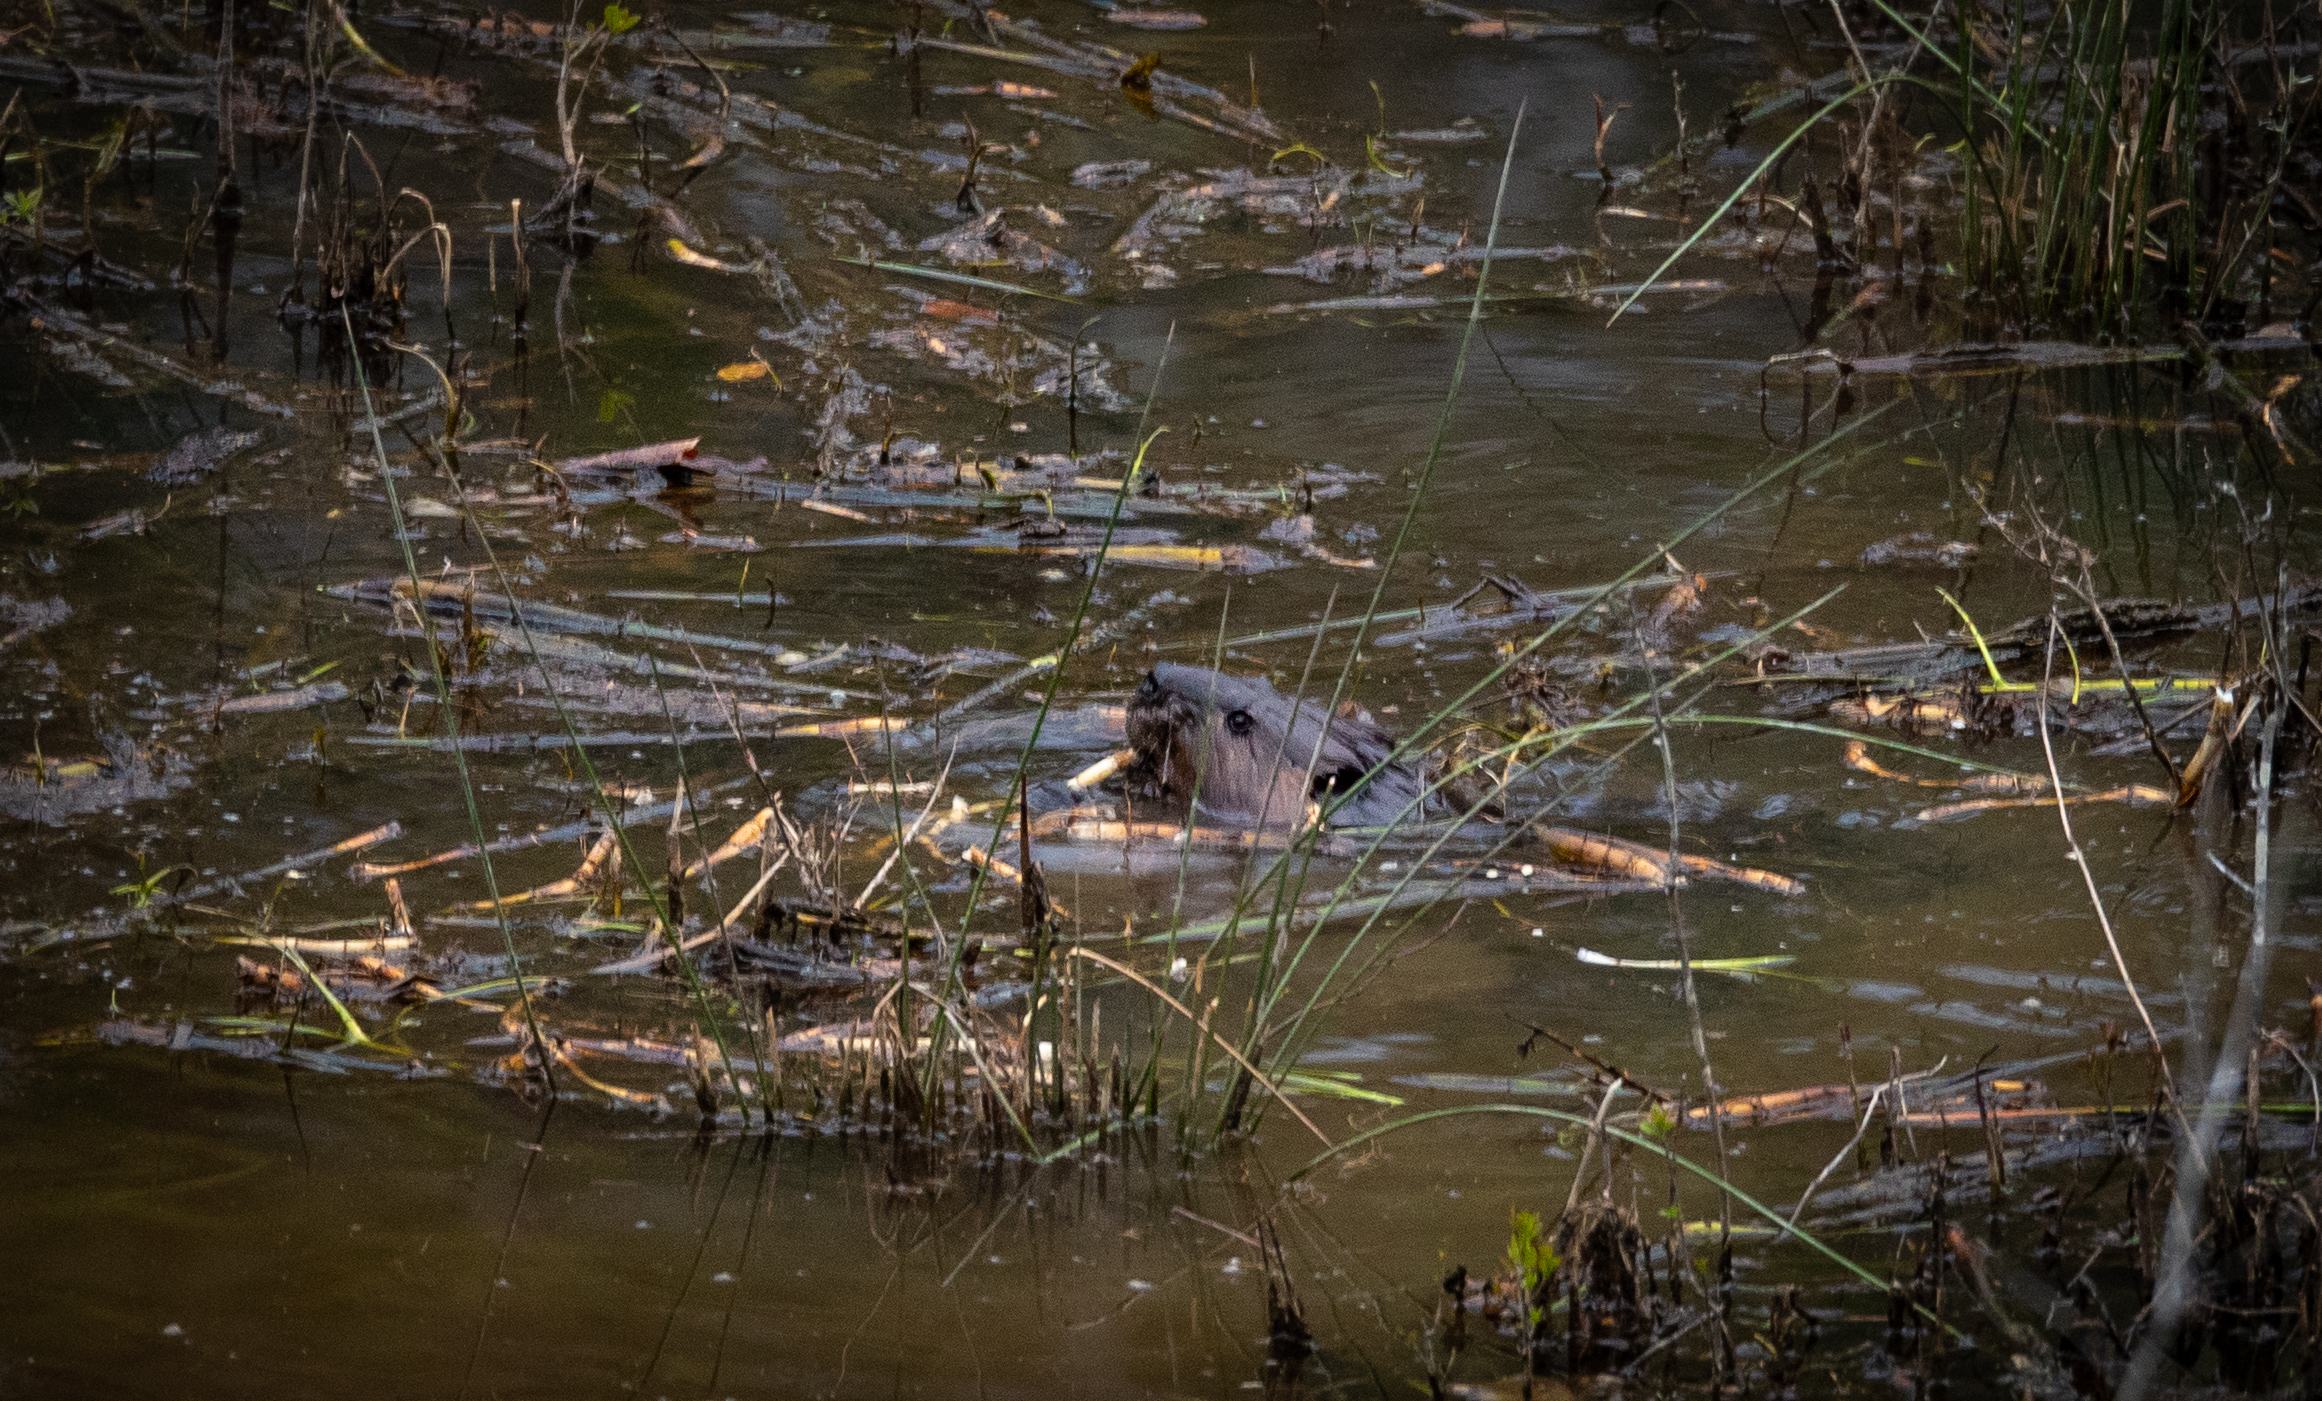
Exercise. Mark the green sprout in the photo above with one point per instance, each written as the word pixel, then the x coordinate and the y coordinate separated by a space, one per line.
pixel 142 890
pixel 1532 1256
pixel 1658 1122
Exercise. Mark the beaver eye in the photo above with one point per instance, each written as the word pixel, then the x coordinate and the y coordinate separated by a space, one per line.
pixel 1239 722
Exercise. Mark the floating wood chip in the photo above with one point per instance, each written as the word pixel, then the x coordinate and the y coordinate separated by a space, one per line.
pixel 746 836
pixel 829 508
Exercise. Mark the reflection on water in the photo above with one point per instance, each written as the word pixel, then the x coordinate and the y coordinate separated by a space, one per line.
pixel 818 472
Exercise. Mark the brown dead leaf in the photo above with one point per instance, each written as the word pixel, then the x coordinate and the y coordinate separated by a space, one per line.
pixel 961 312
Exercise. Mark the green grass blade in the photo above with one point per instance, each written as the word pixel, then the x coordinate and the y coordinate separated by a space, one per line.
pixel 1758 964
pixel 1773 158
pixel 355 1035
pixel 444 706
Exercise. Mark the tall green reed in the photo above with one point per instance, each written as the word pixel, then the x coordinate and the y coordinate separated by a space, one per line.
pixel 2085 156
pixel 443 698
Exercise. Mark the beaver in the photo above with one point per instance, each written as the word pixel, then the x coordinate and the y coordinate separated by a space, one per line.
pixel 1242 752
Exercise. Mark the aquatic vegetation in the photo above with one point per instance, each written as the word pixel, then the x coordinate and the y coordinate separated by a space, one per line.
pixel 580 612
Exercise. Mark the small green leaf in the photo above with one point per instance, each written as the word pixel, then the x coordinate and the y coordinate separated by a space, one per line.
pixel 142 890
pixel 618 20
pixel 614 404
pixel 1530 1252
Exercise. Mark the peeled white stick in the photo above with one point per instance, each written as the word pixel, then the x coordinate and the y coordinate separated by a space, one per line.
pixel 1101 770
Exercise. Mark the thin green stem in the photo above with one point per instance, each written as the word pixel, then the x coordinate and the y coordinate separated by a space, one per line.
pixel 451 719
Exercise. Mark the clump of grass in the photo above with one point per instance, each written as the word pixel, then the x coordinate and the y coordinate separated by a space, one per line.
pixel 2110 165
pixel 2079 136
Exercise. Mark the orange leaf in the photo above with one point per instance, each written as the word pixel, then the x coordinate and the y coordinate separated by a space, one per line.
pixel 959 311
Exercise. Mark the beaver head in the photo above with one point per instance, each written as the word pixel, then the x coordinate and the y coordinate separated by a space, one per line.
pixel 1243 752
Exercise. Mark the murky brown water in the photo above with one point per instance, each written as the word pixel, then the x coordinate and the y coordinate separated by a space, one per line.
pixel 189 1221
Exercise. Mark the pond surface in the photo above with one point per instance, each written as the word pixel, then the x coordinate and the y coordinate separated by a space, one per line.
pixel 195 1211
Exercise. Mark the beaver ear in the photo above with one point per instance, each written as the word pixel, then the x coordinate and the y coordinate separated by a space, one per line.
pixel 1239 722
